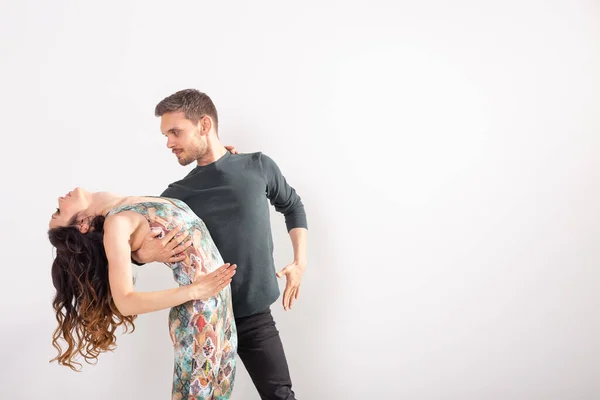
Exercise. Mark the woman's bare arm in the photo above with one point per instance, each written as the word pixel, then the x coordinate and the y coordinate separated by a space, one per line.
pixel 117 233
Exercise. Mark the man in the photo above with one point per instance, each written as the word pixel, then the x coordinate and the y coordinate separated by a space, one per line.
pixel 229 193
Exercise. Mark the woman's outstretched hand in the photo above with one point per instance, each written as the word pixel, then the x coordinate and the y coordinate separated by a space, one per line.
pixel 209 285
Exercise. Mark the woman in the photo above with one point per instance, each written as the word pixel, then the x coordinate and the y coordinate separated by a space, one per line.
pixel 94 235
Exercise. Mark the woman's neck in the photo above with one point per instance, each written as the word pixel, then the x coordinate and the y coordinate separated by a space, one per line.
pixel 102 202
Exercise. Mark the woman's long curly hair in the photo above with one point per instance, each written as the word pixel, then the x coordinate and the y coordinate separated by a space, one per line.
pixel 86 313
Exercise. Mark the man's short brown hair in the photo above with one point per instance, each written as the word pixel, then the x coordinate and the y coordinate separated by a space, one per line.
pixel 192 102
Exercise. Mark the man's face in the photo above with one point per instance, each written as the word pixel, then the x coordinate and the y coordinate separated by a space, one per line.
pixel 184 137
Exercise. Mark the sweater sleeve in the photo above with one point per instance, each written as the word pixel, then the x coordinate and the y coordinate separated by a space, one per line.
pixel 282 195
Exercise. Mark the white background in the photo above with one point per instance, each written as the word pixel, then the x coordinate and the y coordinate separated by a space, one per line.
pixel 446 153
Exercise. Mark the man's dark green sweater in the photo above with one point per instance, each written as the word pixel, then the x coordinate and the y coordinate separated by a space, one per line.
pixel 231 197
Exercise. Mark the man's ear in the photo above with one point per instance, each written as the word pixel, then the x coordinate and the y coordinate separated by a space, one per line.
pixel 205 124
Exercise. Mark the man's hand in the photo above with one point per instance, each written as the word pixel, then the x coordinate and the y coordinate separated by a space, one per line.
pixel 232 149
pixel 168 249
pixel 293 273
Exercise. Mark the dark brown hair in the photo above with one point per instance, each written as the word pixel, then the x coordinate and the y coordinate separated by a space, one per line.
pixel 86 313
pixel 192 102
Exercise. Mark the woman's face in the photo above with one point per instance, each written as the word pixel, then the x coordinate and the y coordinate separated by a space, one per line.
pixel 70 205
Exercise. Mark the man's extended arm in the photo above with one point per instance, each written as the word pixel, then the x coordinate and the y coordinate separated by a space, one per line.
pixel 288 202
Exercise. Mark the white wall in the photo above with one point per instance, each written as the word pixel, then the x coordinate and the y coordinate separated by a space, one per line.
pixel 446 152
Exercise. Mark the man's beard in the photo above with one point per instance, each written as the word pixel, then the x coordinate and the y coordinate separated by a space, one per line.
pixel 198 152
